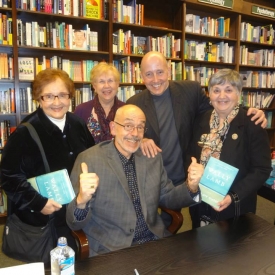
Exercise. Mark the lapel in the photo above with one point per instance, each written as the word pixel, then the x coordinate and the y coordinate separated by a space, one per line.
pixel 151 115
pixel 140 163
pixel 234 136
pixel 176 103
pixel 115 163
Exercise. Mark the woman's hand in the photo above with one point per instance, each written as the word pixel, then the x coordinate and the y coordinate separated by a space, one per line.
pixel 224 203
pixel 50 207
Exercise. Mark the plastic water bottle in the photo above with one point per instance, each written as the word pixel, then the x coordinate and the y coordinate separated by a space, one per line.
pixel 62 258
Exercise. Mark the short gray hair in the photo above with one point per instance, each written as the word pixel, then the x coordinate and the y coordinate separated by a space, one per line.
pixel 226 76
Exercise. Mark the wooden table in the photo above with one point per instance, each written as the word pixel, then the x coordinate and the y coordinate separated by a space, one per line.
pixel 245 246
pixel 267 192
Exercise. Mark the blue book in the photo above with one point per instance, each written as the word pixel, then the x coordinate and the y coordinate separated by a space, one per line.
pixel 217 178
pixel 55 185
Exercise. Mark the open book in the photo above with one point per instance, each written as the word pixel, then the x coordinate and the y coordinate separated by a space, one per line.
pixel 55 185
pixel 217 178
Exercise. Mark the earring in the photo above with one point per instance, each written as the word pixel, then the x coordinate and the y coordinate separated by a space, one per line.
pixel 210 102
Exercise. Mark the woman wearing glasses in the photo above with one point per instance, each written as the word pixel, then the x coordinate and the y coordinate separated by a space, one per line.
pixel 98 113
pixel 63 136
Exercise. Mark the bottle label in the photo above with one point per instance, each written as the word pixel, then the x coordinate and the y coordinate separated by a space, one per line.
pixel 67 266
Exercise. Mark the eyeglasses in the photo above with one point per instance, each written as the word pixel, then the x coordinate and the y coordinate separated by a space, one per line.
pixel 103 82
pixel 51 98
pixel 130 128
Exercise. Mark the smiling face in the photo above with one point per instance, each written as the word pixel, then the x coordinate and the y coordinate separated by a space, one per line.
pixel 58 108
pixel 155 73
pixel 224 98
pixel 128 142
pixel 106 87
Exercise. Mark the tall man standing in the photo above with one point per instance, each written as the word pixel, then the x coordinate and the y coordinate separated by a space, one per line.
pixel 171 108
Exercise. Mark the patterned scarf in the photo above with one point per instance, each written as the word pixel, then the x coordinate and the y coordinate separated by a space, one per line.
pixel 103 120
pixel 212 143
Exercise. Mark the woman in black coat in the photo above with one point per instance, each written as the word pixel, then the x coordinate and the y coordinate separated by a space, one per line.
pixel 228 134
pixel 63 136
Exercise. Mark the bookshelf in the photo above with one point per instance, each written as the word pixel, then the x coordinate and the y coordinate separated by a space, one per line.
pixel 158 19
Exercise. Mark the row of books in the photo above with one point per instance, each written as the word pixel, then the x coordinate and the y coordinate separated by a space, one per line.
pixel 77 70
pixel 207 51
pixel 258 79
pixel 82 95
pixel 27 104
pixel 56 35
pixel 257 99
pixel 262 57
pixel 7 101
pixel 5 128
pixel 258 34
pixel 207 25
pixel 200 74
pixel 97 9
pixel 6 66
pixel 127 43
pixel 125 92
pixel 5 29
pixel 132 12
pixel 5 4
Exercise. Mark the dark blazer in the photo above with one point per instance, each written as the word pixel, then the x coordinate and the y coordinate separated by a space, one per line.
pixel 188 101
pixel 111 221
pixel 21 159
pixel 249 152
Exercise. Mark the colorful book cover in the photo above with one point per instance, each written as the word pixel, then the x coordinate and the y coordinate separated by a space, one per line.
pixel 93 9
pixel 55 185
pixel 217 178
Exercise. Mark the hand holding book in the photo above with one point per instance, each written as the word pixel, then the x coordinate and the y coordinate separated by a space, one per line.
pixel 88 185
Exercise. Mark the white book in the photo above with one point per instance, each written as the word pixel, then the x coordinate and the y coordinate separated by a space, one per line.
pixel 189 23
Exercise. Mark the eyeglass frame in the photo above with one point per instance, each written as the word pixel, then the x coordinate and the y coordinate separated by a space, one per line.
pixel 53 97
pixel 133 127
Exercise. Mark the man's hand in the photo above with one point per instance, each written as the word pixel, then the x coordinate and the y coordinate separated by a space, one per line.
pixel 224 203
pixel 149 148
pixel 259 116
pixel 195 171
pixel 88 185
pixel 50 207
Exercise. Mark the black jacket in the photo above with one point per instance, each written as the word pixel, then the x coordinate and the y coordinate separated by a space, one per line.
pixel 21 159
pixel 188 102
pixel 246 147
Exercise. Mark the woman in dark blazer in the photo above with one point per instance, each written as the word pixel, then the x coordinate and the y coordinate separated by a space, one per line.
pixel 228 134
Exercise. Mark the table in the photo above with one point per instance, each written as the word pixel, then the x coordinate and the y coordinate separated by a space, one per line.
pixel 244 246
pixel 267 192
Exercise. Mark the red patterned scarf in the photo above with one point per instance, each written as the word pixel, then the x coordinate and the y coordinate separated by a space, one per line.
pixel 103 120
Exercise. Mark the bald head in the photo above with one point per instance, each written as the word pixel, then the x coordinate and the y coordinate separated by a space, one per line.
pixel 151 57
pixel 128 111
pixel 155 73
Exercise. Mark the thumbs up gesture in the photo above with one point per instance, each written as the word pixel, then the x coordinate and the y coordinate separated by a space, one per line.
pixel 88 185
pixel 195 171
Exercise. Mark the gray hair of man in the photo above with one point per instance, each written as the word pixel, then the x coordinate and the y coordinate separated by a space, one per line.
pixel 224 76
